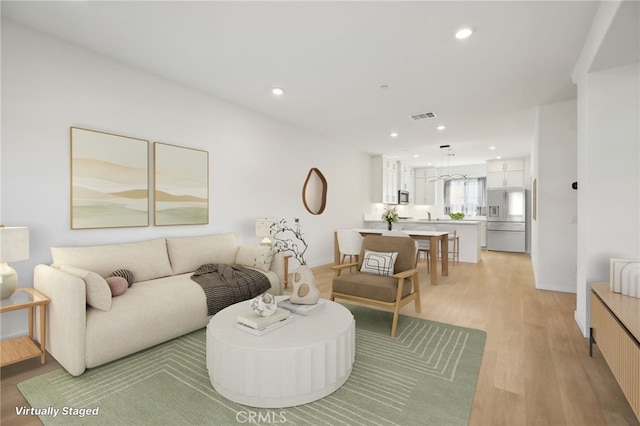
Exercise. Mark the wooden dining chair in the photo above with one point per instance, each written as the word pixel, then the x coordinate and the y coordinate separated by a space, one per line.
pixel 454 247
pixel 349 244
pixel 424 246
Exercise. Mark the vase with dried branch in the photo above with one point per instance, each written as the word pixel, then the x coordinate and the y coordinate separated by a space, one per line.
pixel 290 239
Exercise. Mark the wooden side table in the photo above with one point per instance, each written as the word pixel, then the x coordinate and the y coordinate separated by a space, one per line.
pixel 24 347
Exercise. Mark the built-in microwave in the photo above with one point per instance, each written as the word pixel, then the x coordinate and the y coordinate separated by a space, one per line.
pixel 403 197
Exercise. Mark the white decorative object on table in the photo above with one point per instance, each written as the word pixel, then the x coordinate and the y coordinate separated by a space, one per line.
pixel 305 291
pixel 264 305
pixel 625 276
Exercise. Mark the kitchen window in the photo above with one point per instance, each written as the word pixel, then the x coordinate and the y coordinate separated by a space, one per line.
pixel 466 196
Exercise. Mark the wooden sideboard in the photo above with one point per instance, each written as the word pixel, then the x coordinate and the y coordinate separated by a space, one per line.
pixel 615 328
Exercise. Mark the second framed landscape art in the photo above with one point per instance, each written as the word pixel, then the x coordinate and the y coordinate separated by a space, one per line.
pixel 181 185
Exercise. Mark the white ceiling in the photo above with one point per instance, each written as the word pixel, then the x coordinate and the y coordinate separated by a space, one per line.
pixel 333 57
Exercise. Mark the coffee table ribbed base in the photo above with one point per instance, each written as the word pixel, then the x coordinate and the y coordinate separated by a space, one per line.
pixel 298 363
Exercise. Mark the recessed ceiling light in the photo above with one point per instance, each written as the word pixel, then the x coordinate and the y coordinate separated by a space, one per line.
pixel 429 163
pixel 441 127
pixel 277 91
pixel 463 33
pixel 499 157
pixel 416 155
pixel 394 134
pixel 492 147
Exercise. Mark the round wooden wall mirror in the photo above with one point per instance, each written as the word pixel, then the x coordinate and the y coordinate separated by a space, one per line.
pixel 314 192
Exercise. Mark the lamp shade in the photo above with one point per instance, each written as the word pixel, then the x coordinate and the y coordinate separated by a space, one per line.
pixel 263 227
pixel 14 243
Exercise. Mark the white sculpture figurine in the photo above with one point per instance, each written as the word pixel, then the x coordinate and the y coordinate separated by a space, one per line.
pixel 264 305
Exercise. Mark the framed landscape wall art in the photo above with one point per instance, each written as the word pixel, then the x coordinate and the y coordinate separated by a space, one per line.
pixel 109 180
pixel 181 191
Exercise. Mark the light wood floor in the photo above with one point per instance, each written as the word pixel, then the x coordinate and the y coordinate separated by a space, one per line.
pixel 536 368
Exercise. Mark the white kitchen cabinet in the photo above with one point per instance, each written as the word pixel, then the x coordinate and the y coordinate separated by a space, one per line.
pixel 507 173
pixel 407 181
pixel 391 194
pixel 384 180
pixel 514 179
pixel 425 191
pixel 495 166
pixel 495 180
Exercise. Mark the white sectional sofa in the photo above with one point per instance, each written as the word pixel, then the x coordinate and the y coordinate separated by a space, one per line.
pixel 163 303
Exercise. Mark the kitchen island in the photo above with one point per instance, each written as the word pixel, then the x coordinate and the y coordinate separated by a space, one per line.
pixel 467 230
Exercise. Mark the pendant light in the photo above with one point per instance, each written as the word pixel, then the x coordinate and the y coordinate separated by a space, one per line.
pixel 448 176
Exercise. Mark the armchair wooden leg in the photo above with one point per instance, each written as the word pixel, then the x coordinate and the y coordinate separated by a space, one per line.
pixel 394 323
pixel 416 289
pixel 396 307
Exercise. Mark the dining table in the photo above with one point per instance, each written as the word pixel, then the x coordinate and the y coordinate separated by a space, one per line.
pixel 437 239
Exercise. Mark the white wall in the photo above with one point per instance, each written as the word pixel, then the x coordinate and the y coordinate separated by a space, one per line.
pixel 554 166
pixel 608 151
pixel 608 176
pixel 257 165
pixel 533 169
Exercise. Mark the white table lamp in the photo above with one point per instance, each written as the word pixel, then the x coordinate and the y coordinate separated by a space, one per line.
pixel 263 229
pixel 14 246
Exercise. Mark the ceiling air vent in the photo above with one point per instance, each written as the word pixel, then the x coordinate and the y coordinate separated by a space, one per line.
pixel 423 115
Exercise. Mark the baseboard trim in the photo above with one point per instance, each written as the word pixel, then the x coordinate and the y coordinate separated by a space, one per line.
pixel 582 326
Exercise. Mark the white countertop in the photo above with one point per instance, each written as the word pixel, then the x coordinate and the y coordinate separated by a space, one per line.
pixel 433 222
pixel 410 232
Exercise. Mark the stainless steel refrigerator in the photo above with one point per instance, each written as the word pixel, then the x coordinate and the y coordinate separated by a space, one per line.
pixel 506 220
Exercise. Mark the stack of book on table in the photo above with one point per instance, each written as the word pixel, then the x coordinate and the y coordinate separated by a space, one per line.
pixel 255 324
pixel 301 309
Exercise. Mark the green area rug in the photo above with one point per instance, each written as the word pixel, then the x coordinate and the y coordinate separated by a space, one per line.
pixel 425 376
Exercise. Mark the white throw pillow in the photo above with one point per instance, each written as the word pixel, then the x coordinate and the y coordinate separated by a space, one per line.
pixel 98 290
pixel 378 263
pixel 258 257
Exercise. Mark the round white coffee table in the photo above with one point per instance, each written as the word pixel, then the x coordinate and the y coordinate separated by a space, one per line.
pixel 302 361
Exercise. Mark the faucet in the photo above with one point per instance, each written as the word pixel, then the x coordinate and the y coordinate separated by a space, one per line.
pixel 429 216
